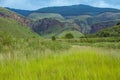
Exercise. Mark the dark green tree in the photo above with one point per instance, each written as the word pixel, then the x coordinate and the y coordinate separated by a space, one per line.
pixel 69 36
pixel 118 23
pixel 53 38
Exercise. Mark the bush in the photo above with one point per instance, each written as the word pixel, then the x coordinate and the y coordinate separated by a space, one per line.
pixel 69 36
pixel 118 23
pixel 53 38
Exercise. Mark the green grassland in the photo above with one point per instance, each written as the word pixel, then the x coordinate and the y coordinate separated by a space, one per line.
pixel 38 16
pixel 11 27
pixel 39 59
pixel 77 63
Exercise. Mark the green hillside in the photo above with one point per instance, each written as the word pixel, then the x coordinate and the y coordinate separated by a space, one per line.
pixel 3 10
pixel 110 32
pixel 14 28
pixel 14 24
pixel 38 16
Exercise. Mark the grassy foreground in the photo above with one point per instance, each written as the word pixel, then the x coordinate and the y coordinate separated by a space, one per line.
pixel 77 63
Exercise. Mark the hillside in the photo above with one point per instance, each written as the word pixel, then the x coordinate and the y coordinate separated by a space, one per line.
pixel 52 27
pixel 10 14
pixel 22 12
pixel 11 27
pixel 102 25
pixel 38 16
pixel 110 32
pixel 93 24
pixel 89 19
pixel 11 24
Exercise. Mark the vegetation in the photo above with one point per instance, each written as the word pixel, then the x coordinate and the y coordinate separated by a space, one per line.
pixel 75 33
pixel 77 63
pixel 69 36
pixel 92 40
pixel 84 16
pixel 110 32
pixel 26 56
pixel 53 38
pixel 118 23
pixel 3 10
pixel 38 16
pixel 12 27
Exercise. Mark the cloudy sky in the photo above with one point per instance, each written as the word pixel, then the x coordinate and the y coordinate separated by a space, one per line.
pixel 36 4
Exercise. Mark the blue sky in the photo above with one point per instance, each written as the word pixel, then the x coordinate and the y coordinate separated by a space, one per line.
pixel 36 4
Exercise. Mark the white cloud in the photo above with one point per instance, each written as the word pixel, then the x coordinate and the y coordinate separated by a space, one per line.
pixel 20 4
pixel 35 4
pixel 62 2
pixel 101 4
pixel 104 4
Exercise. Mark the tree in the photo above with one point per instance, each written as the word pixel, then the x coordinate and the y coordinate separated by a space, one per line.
pixel 69 36
pixel 53 38
pixel 118 23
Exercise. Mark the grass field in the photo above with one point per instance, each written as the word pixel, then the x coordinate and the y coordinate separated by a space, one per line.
pixel 77 63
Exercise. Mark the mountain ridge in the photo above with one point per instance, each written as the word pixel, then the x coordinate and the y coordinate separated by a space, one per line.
pixel 69 10
pixel 14 25
pixel 87 18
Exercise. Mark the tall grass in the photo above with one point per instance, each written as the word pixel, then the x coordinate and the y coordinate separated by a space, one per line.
pixel 92 40
pixel 77 63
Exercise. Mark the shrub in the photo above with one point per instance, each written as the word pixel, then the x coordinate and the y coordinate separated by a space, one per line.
pixel 69 36
pixel 118 23
pixel 53 38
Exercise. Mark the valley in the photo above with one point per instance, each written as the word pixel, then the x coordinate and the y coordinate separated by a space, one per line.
pixel 77 42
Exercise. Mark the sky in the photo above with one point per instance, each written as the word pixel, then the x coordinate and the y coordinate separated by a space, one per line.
pixel 36 4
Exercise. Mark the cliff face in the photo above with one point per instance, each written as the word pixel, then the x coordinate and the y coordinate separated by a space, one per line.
pixel 20 19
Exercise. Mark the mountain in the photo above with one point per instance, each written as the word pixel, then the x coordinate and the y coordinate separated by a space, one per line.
pixel 103 25
pixel 38 16
pixel 88 19
pixel 14 24
pixel 48 27
pixel 74 10
pixel 22 12
pixel 9 14
pixel 92 24
pixel 110 32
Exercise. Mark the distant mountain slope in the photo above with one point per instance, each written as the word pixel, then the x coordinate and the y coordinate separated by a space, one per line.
pixel 11 24
pixel 49 27
pixel 22 12
pixel 88 19
pixel 103 25
pixel 109 32
pixel 38 16
pixel 92 24
pixel 74 10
